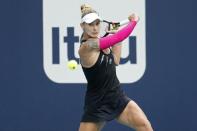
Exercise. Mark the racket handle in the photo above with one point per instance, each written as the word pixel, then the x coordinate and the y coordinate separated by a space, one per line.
pixel 124 22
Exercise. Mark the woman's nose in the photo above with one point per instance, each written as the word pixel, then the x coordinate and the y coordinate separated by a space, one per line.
pixel 95 27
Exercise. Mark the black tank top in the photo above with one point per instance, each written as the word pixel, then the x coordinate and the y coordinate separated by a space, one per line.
pixel 101 77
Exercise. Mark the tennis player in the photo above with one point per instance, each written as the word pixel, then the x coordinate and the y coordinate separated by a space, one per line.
pixel 104 99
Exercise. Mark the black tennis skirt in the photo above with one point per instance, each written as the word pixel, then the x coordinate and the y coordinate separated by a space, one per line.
pixel 104 106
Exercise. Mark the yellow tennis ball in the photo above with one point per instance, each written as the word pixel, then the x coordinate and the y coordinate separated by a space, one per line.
pixel 72 64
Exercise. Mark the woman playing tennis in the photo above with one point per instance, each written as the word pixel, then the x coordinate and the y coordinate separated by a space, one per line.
pixel 104 99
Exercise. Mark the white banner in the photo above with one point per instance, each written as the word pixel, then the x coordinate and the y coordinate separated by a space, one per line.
pixel 61 28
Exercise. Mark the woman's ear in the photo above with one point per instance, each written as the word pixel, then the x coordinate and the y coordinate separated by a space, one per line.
pixel 82 25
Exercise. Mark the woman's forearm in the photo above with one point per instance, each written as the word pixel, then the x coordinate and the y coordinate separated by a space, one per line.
pixel 122 34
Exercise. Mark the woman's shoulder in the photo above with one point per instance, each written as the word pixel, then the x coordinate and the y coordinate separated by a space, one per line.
pixel 84 49
pixel 90 45
pixel 88 56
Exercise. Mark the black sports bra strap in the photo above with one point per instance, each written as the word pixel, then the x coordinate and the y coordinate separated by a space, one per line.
pixel 83 41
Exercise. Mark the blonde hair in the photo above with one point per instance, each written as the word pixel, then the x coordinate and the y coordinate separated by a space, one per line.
pixel 86 9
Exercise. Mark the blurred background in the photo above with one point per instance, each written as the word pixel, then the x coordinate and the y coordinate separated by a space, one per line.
pixel 167 93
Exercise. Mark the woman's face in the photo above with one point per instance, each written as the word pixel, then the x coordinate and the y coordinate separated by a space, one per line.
pixel 92 29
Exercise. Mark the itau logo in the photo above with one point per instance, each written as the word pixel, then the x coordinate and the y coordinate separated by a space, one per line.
pixel 61 31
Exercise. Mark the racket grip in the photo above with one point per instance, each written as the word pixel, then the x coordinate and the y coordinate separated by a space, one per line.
pixel 124 22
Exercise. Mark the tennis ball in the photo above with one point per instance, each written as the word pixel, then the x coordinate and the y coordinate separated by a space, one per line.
pixel 72 64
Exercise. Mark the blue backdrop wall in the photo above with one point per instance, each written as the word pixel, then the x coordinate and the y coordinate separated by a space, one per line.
pixel 29 101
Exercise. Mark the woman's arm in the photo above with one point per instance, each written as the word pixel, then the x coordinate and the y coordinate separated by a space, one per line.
pixel 122 34
pixel 116 50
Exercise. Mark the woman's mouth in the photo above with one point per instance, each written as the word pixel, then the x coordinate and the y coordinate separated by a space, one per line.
pixel 95 33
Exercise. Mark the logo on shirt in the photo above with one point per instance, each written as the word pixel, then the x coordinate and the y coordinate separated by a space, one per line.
pixel 61 32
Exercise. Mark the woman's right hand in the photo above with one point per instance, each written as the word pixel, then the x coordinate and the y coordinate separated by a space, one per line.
pixel 134 17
